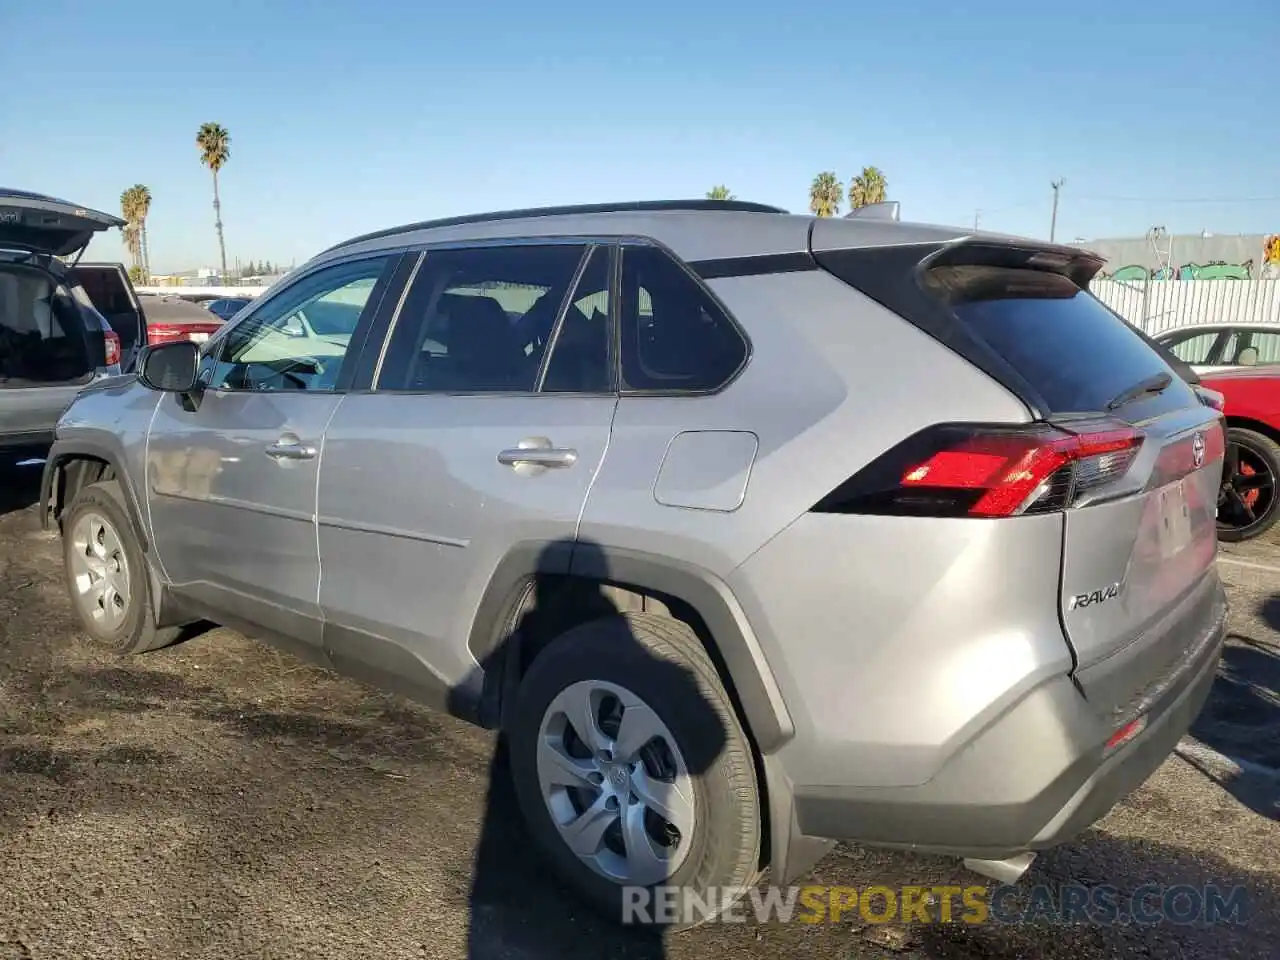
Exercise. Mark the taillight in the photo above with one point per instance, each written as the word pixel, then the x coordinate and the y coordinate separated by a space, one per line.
pixel 958 470
pixel 167 333
pixel 111 340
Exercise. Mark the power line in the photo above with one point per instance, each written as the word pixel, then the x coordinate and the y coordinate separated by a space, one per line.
pixel 1180 199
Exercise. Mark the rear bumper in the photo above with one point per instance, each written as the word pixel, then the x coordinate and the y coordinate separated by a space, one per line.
pixel 1035 778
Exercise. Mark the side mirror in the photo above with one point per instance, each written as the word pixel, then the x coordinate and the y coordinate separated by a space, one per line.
pixel 170 367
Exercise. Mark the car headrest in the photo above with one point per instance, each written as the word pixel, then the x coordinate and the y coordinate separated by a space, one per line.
pixel 481 338
pixel 1248 357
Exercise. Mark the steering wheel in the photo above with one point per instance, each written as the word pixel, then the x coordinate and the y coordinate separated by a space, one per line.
pixel 294 369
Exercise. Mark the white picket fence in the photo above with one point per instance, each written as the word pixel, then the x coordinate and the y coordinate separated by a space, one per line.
pixel 1160 305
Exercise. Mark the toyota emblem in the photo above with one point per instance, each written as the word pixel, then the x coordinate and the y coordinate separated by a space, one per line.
pixel 1197 450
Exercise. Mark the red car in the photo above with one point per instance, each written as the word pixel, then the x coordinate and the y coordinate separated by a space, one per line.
pixel 172 318
pixel 1247 504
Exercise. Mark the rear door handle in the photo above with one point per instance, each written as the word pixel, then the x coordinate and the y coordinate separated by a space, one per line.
pixel 289 448
pixel 538 452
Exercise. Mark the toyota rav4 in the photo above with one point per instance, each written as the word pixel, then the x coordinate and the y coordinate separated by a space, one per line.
pixel 749 530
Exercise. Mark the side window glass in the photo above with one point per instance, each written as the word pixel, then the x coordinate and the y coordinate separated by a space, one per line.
pixel 299 338
pixel 478 319
pixel 1195 348
pixel 579 361
pixel 1230 349
pixel 674 336
pixel 1267 347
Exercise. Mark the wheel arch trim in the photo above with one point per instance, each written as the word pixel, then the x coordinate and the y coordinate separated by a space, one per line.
pixel 64 451
pixel 749 676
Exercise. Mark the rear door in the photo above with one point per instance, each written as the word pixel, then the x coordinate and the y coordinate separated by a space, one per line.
pixel 1138 585
pixel 1142 543
pixel 109 289
pixel 488 417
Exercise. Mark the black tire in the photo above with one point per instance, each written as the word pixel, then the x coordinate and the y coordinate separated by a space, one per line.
pixel 661 661
pixel 1262 453
pixel 137 632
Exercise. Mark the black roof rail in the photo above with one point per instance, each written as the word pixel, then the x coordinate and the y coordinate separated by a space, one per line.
pixel 626 206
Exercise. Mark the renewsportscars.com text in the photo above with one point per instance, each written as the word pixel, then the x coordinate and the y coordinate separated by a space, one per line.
pixel 978 904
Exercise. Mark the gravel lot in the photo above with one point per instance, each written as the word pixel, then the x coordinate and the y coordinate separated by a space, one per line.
pixel 219 799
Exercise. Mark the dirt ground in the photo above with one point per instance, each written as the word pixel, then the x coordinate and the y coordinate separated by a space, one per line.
pixel 220 799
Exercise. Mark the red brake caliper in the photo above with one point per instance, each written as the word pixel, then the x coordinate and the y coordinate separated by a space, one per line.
pixel 1250 497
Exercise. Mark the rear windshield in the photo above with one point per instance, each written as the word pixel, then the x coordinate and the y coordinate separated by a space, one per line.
pixel 1069 347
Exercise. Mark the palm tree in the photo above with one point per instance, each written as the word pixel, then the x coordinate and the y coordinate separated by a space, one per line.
pixel 132 231
pixel 824 195
pixel 144 208
pixel 135 204
pixel 133 243
pixel 215 150
pixel 867 188
pixel 720 192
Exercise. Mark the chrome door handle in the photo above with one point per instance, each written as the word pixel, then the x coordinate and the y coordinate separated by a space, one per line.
pixel 291 451
pixel 538 452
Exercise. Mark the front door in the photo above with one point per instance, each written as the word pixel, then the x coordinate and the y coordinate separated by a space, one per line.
pixel 489 418
pixel 231 473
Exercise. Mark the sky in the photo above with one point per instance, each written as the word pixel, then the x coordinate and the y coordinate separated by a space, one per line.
pixel 353 116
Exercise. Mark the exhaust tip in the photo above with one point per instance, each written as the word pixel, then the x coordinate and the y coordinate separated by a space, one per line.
pixel 1009 870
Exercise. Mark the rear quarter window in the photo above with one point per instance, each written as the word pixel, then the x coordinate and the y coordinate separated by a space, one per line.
pixel 1068 346
pixel 675 337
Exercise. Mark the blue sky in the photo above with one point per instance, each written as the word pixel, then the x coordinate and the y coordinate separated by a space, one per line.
pixel 346 117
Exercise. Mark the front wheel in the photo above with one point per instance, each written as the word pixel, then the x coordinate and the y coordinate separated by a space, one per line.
pixel 1247 502
pixel 106 572
pixel 633 773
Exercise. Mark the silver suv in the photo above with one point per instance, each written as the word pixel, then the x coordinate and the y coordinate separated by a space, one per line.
pixel 749 530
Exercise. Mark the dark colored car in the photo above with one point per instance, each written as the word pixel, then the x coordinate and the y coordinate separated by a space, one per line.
pixel 227 307
pixel 61 326
pixel 1248 505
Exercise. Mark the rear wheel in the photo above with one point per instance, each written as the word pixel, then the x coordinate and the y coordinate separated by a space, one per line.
pixel 1247 503
pixel 633 771
pixel 106 572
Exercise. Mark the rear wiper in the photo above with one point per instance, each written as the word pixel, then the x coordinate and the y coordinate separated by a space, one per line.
pixel 1152 385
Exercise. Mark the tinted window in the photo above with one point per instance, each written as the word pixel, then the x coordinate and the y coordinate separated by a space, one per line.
pixel 1072 350
pixel 674 335
pixel 105 288
pixel 279 347
pixel 579 361
pixel 227 308
pixel 478 320
pixel 1193 347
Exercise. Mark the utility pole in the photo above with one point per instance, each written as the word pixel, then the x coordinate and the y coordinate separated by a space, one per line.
pixel 1053 221
pixel 977 215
